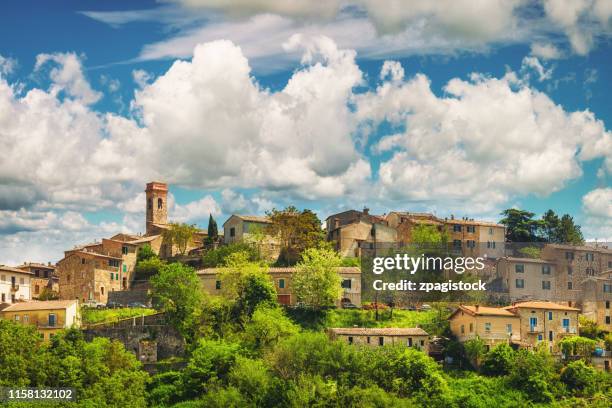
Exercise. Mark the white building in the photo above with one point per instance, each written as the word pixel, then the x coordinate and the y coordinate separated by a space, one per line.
pixel 14 285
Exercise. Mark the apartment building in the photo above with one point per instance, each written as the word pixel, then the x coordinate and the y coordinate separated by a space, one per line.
pixel 375 337
pixel 15 284
pixel 48 317
pixel 355 233
pixel 43 278
pixel 476 238
pixel 528 278
pixel 491 324
pixel 545 321
pixel 282 278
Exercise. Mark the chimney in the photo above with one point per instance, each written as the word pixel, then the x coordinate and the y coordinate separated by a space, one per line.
pixel 366 210
pixel 477 306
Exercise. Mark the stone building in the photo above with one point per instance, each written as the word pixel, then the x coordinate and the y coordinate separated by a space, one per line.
pixel 43 278
pixel 49 317
pixel 527 278
pixel 476 238
pixel 545 321
pixel 282 277
pixel 491 324
pixel 252 229
pixel 374 337
pixel 15 284
pixel 87 275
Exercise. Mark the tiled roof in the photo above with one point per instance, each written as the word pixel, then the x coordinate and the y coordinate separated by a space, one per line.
pixel 254 218
pixel 478 310
pixel 541 305
pixel 36 265
pixel 528 260
pixel 42 305
pixel 14 270
pixel 384 331
pixel 341 269
pixel 586 248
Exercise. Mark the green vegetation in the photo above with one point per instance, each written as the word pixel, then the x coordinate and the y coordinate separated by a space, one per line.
pixel 180 235
pixel 213 231
pixel 316 282
pixel 522 227
pixel 96 316
pixel 217 257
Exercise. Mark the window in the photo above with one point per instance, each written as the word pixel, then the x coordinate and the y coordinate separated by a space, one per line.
pixel 381 341
pixel 589 271
pixel 569 270
pixel 114 263
pixel 607 288
pixel 350 340
pixel 422 343
pixel 546 269
pixel 589 256
pixel 83 261
pixel 471 243
pixel 490 231
pixel 21 281
pixel 609 264
pixel 16 318
pixel 546 285
pixel 488 244
pixel 462 329
pixel 102 289
pixel 607 304
pixel 456 228
pixel 520 283
pixel 46 274
pixel 550 315
pixel 36 273
pixel 281 284
pixel 471 228
pixel 37 289
pixel 3 298
pixel 519 268
pixel 488 327
pixel 566 324
pixel 232 232
pixel 3 278
pixel 26 318
pixel 607 319
pixel 533 322
pixel 368 339
pixel 160 203
pixel 471 327
pixel 149 204
pixel 124 268
pixel 409 341
pixel 218 285
pixel 124 250
pixel 52 319
pixel 570 285
pixel 550 335
pixel 346 283
pixel 569 256
pixel 540 337
pixel 68 278
pixel 457 243
pixel 509 328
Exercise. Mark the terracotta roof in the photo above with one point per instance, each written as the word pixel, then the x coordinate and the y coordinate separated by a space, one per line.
pixel 340 269
pixel 253 218
pixel 529 260
pixel 541 305
pixel 586 248
pixel 384 331
pixel 478 310
pixel 96 254
pixel 42 305
pixel 14 270
pixel 36 265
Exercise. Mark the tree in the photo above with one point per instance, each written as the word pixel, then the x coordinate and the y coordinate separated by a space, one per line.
pixel 148 267
pixel 253 379
pixel 530 252
pixel 588 328
pixel 267 327
pixel 48 294
pixel 475 350
pixel 577 346
pixel 296 231
pixel 316 281
pixel 499 360
pixel 144 253
pixel 534 373
pixel 569 232
pixel 176 290
pixel 218 256
pixel 181 235
pixel 213 232
pixel 550 227
pixel 520 225
pixel 416 373
pixel 579 378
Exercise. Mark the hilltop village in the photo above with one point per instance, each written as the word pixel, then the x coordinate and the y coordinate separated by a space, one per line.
pixel 537 296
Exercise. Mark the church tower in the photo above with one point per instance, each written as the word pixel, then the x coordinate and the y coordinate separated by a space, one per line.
pixel 157 205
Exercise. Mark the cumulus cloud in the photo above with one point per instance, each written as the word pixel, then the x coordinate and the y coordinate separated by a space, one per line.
pixel 597 206
pixel 545 51
pixel 7 65
pixel 534 64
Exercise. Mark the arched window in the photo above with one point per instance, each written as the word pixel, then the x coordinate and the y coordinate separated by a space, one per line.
pixel 160 203
pixel 150 204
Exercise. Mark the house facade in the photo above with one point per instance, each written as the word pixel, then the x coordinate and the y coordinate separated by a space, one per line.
pixel 375 337
pixel 43 278
pixel 491 324
pixel 48 317
pixel 15 284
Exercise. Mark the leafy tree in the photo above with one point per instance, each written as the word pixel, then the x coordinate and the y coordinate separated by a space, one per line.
pixel 577 346
pixel 534 373
pixel 499 360
pixel 550 228
pixel 21 350
pixel 588 328
pixel 296 231
pixel 428 236
pixel 475 350
pixel 176 290
pixel 213 231
pixel 218 257
pixel 48 294
pixel 530 252
pixel 144 253
pixel 166 388
pixel 579 378
pixel 267 327
pixel 520 225
pixel 180 235
pixel 252 378
pixel 229 397
pixel 148 267
pixel 608 341
pixel 417 374
pixel 316 281
pixel 569 232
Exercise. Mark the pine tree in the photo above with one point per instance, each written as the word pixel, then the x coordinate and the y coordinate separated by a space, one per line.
pixel 213 232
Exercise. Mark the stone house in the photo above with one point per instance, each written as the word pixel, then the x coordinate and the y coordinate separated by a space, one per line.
pixel 476 238
pixel 527 278
pixel 15 284
pixel 356 233
pixel 281 277
pixel 43 277
pixel 491 324
pixel 88 275
pixel 374 337
pixel 48 317
pixel 252 229
pixel 545 321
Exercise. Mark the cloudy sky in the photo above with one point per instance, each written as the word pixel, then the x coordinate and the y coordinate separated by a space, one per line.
pixel 457 107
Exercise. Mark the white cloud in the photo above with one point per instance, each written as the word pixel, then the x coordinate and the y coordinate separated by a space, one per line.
pixel 141 77
pixel 545 51
pixel 193 211
pixel 533 63
pixel 7 65
pixel 68 76
pixel 598 203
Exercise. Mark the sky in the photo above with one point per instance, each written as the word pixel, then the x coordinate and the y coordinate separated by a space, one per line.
pixel 455 107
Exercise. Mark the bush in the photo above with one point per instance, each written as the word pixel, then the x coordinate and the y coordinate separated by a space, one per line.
pixel 217 257
pixel 579 378
pixel 499 360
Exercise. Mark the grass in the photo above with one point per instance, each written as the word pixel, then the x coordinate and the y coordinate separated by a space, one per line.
pixel 95 316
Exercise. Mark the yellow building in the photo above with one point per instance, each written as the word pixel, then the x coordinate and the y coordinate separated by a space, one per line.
pixel 491 324
pixel 545 321
pixel 410 337
pixel 49 317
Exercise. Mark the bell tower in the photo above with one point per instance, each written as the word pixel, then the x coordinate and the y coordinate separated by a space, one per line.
pixel 157 205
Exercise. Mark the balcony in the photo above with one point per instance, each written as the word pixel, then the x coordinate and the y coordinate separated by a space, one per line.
pixel 567 331
pixel 535 329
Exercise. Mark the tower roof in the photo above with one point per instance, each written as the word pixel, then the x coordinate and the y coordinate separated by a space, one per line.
pixel 157 185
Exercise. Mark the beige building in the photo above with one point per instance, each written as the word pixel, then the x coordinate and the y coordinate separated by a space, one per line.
pixel 350 284
pixel 527 278
pixel 43 278
pixel 545 321
pixel 251 229
pixel 491 324
pixel 89 276
pixel 49 317
pixel 373 337
pixel 355 233
pixel 15 284
pixel 476 238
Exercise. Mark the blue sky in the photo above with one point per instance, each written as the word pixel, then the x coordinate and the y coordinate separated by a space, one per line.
pixel 453 108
